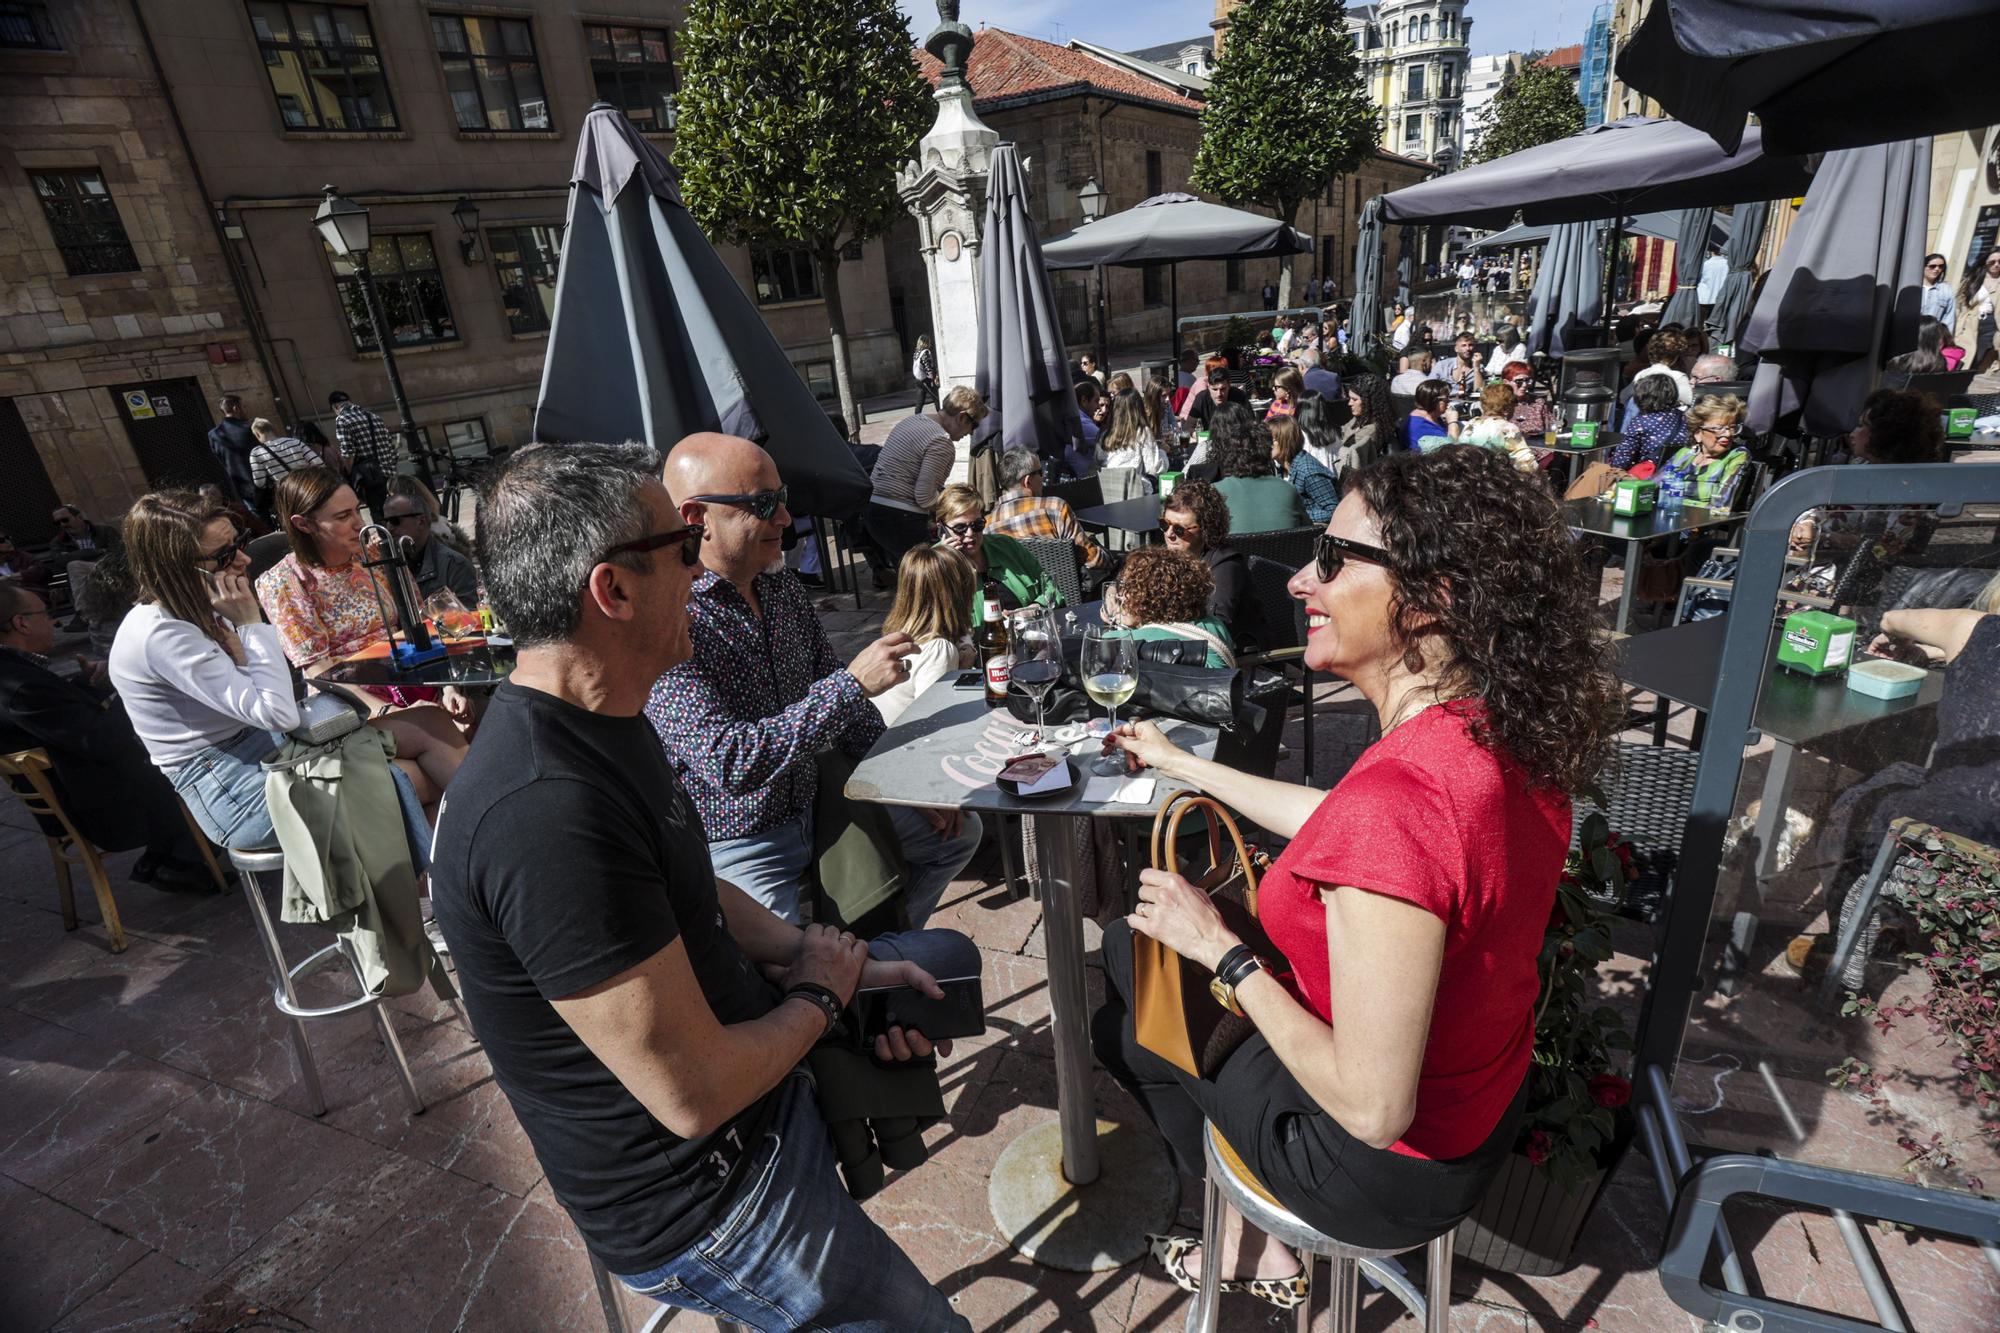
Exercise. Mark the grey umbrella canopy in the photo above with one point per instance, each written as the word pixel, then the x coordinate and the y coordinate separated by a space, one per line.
pixel 1627 166
pixel 1818 74
pixel 1566 292
pixel 1690 249
pixel 1842 296
pixel 1365 318
pixel 1172 227
pixel 1023 369
pixel 653 340
pixel 1732 305
pixel 1663 226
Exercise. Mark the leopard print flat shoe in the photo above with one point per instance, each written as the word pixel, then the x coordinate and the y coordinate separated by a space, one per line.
pixel 1171 1252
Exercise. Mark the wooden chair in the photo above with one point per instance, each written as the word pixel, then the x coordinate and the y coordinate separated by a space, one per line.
pixel 27 771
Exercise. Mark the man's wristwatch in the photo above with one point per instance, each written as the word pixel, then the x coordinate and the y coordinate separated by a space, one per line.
pixel 1230 972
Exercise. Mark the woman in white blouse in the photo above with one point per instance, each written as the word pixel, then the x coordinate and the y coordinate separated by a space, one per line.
pixel 935 586
pixel 203 678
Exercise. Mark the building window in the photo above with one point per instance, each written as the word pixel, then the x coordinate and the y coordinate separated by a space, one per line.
pixel 323 66
pixel 1152 285
pixel 491 73
pixel 409 286
pixel 783 275
pixel 26 27
pixel 84 222
pixel 1424 28
pixel 1415 91
pixel 818 376
pixel 1153 172
pixel 1232 275
pixel 634 70
pixel 462 439
pixel 525 259
pixel 1413 130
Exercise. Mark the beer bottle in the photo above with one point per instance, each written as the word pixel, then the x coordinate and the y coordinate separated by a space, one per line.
pixel 992 643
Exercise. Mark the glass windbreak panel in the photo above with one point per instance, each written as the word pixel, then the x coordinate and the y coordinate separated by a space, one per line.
pixel 1851 966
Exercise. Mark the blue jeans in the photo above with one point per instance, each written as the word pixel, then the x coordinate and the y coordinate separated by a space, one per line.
pixel 771 866
pixel 795 1251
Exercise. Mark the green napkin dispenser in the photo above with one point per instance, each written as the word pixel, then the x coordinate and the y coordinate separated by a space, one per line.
pixel 1958 422
pixel 1583 435
pixel 1633 497
pixel 1816 643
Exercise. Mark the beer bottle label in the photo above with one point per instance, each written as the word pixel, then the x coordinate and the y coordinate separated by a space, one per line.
pixel 998 670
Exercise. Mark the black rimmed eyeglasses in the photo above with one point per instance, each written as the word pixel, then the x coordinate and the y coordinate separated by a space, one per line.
pixel 760 505
pixel 688 538
pixel 1331 552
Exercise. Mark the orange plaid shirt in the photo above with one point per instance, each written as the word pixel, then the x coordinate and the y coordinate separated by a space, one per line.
pixel 1018 514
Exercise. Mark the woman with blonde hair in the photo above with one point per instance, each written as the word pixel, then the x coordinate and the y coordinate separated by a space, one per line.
pixel 934 591
pixel 997 561
pixel 323 602
pixel 1713 464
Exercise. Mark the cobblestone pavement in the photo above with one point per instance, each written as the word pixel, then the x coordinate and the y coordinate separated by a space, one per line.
pixel 159 1169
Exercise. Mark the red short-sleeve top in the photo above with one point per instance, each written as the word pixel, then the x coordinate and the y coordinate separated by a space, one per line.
pixel 1429 816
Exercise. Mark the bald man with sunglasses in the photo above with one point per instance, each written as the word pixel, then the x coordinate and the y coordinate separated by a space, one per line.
pixel 746 717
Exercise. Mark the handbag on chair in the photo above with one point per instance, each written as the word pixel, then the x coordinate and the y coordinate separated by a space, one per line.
pixel 1173 1013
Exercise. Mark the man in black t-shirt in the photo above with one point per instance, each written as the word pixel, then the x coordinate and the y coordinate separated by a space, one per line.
pixel 618 987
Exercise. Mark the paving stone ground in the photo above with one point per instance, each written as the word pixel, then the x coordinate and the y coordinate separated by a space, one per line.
pixel 159 1170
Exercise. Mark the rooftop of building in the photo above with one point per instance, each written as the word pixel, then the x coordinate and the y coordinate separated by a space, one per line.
pixel 1008 69
pixel 1564 57
pixel 1169 50
pixel 1179 79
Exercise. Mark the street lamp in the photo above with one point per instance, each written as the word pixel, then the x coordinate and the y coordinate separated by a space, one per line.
pixel 343 225
pixel 1091 200
pixel 466 214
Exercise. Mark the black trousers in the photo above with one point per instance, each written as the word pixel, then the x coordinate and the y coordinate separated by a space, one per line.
pixel 895 531
pixel 1332 1181
pixel 927 392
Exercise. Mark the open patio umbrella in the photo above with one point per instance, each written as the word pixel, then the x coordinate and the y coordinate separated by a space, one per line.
pixel 1566 292
pixel 653 339
pixel 1662 226
pixel 1690 249
pixel 1732 304
pixel 1818 74
pixel 1842 296
pixel 1169 228
pixel 1023 369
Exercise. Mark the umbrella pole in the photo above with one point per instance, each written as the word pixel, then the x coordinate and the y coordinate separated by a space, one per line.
pixel 1174 310
pixel 1611 274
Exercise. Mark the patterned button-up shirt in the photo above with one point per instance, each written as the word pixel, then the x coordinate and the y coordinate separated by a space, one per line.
pixel 364 437
pixel 745 718
pixel 1019 514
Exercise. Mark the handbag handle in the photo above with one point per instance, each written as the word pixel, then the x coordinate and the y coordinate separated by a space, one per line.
pixel 1168 820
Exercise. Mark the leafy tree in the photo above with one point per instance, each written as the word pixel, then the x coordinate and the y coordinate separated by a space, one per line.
pixel 1286 110
pixel 1536 105
pixel 793 121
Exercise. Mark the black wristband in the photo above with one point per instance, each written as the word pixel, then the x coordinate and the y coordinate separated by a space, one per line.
pixel 820 996
pixel 1229 961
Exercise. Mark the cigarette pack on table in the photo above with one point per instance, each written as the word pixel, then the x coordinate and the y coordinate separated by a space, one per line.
pixel 1816 643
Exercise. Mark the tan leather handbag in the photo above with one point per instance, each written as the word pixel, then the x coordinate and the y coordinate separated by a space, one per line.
pixel 1173 1014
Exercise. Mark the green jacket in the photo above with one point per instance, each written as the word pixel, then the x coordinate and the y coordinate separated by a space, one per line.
pixel 1209 623
pixel 347 859
pixel 1014 567
pixel 1262 504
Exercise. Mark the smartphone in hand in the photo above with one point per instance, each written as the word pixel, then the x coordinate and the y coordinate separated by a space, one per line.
pixel 961 1013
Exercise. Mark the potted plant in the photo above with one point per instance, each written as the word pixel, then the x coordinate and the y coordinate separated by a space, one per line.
pixel 1578 1119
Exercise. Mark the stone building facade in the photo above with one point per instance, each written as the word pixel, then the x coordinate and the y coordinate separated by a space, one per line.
pixel 453 123
pixel 1414 57
pixel 119 325
pixel 1076 118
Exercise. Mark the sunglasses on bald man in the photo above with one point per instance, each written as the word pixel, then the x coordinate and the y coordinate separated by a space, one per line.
pixel 760 505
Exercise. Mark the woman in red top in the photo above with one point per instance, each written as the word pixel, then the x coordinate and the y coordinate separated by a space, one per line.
pixel 1383 1085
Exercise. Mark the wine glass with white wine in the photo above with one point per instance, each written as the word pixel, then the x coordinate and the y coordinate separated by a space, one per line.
pixel 1110 675
pixel 1037 662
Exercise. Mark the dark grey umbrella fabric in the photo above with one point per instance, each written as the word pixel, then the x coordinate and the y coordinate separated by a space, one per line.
pixel 1818 74
pixel 1732 307
pixel 1569 287
pixel 1023 370
pixel 1663 226
pixel 1406 265
pixel 1627 166
pixel 1690 249
pixel 1842 296
pixel 1175 226
pixel 1364 326
pixel 653 339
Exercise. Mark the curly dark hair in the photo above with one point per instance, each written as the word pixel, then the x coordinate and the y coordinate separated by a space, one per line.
pixel 1483 559
pixel 1205 505
pixel 1373 391
pixel 1239 445
pixel 1903 427
pixel 1156 586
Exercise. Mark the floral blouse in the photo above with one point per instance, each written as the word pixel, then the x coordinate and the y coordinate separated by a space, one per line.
pixel 320 612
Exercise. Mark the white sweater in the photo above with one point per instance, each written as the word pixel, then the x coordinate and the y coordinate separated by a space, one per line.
pixel 183 693
pixel 928 665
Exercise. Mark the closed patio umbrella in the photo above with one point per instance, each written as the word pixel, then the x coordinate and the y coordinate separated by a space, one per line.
pixel 1818 74
pixel 1732 305
pixel 1023 369
pixel 653 339
pixel 1842 296
pixel 1690 249
pixel 1566 291
pixel 1364 328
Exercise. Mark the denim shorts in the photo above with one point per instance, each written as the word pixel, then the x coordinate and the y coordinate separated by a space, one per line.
pixel 223 787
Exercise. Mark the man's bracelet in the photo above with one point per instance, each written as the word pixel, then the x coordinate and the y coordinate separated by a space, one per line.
pixel 827 1002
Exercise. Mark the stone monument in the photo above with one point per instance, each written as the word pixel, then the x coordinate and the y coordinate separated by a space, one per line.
pixel 945 188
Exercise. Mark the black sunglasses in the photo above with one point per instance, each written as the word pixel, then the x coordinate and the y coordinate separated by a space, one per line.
pixel 688 538
pixel 966 528
pixel 1181 531
pixel 760 505
pixel 222 557
pixel 1331 552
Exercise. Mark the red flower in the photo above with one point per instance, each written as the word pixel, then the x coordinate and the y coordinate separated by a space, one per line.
pixel 1609 1090
pixel 1539 1147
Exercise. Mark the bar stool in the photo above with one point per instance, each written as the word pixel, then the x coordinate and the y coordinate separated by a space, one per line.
pixel 1230 1182
pixel 251 864
pixel 614 1315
